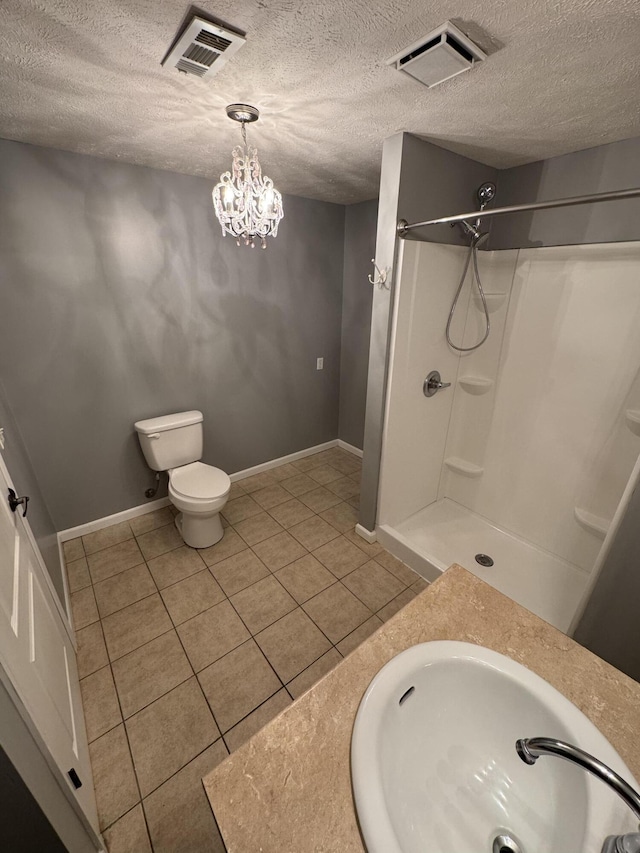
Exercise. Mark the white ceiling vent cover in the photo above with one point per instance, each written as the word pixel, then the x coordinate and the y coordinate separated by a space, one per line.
pixel 203 49
pixel 442 54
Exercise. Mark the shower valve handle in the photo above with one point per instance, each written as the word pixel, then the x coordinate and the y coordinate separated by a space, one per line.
pixel 433 383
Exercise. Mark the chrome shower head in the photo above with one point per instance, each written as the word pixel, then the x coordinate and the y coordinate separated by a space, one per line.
pixel 474 231
pixel 486 193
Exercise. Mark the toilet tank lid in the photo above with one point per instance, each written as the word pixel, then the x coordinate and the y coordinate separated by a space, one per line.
pixel 180 419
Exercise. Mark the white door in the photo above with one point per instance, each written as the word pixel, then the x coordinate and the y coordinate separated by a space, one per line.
pixel 37 654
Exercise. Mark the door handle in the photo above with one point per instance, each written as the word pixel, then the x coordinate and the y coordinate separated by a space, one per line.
pixel 15 502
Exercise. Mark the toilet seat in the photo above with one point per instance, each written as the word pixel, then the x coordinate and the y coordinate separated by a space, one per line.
pixel 199 492
pixel 199 482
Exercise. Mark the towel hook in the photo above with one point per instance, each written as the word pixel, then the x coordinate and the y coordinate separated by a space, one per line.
pixel 380 275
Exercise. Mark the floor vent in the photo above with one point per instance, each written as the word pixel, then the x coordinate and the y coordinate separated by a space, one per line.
pixel 203 49
pixel 437 57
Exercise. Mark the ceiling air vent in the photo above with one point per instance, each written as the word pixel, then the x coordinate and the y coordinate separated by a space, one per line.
pixel 203 48
pixel 442 54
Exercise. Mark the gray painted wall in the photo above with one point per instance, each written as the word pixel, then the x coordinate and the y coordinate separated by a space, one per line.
pixel 435 182
pixel 122 301
pixel 418 181
pixel 357 297
pixel 607 167
pixel 25 482
pixel 609 624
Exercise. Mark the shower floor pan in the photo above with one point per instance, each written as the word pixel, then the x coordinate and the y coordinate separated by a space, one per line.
pixel 446 532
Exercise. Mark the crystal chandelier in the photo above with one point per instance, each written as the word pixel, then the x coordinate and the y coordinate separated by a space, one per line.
pixel 246 203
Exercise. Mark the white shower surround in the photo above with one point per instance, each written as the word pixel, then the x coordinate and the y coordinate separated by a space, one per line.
pixel 538 416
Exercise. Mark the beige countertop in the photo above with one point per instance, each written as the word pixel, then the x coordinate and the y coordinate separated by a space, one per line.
pixel 288 789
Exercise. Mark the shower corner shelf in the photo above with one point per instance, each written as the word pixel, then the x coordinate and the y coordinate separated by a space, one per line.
pixel 461 466
pixel 475 384
pixel 593 523
pixel 494 301
pixel 632 418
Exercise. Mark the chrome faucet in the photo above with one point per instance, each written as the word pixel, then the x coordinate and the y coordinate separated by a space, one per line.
pixel 530 749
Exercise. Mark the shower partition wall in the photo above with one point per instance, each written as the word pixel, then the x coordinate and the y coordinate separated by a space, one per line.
pixel 526 456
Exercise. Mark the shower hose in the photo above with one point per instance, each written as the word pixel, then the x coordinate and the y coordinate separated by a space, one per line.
pixel 471 255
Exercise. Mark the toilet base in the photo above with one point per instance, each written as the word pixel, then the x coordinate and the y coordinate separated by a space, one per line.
pixel 199 532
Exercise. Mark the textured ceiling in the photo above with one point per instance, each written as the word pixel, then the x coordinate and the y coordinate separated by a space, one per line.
pixel 562 75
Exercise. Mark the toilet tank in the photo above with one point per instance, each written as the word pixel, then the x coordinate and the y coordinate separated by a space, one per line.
pixel 171 440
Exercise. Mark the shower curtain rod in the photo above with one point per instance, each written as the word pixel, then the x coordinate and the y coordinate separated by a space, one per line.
pixel 403 226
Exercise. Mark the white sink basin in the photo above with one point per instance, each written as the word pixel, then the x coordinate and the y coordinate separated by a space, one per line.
pixel 435 769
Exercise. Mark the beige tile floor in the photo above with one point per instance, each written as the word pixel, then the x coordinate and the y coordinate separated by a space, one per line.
pixel 184 654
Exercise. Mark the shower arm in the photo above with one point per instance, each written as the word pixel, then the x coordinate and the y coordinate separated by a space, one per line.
pixel 404 227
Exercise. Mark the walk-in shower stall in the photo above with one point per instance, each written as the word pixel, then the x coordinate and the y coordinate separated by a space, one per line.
pixel 515 470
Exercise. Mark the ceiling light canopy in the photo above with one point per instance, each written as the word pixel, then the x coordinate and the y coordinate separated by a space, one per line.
pixel 246 202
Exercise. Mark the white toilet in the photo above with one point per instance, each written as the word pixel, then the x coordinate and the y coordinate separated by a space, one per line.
pixel 173 443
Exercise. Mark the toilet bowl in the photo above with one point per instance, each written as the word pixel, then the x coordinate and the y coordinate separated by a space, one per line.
pixel 199 491
pixel 173 443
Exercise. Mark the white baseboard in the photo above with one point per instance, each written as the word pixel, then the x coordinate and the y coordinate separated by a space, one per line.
pixel 350 448
pixel 107 521
pixel 282 460
pixel 369 536
pixel 134 512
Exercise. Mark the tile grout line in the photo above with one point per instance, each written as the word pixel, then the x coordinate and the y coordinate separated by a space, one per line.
pixel 126 734
pixel 145 562
pixel 299 604
pixel 175 625
pixel 180 769
pixel 192 675
pixel 204 696
pixel 339 581
pixel 195 674
pixel 252 636
pixel 246 716
pixel 222 733
pixel 332 646
pixel 175 773
pixel 126 731
pixel 375 612
pixel 124 719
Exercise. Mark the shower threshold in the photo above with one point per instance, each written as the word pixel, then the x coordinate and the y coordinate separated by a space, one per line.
pixel 446 532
